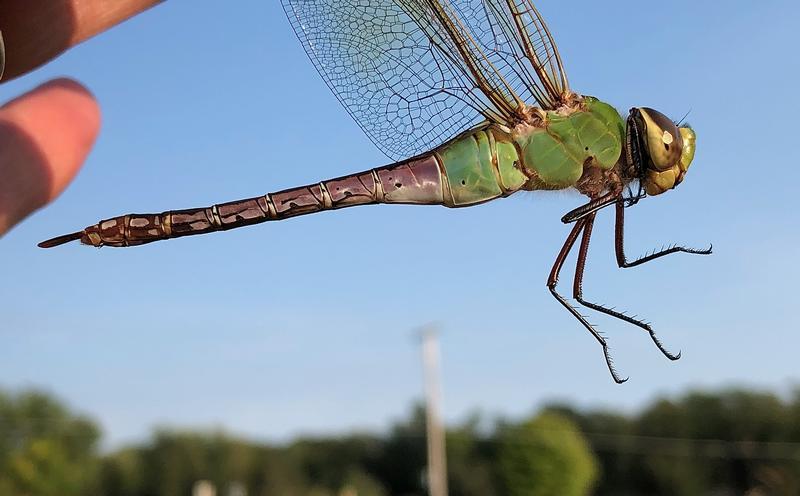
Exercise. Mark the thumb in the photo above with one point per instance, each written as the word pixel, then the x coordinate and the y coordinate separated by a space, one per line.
pixel 45 136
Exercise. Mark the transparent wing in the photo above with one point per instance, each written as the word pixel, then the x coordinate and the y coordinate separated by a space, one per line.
pixel 411 72
pixel 517 42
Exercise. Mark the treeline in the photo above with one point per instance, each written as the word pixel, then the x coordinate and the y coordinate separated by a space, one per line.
pixel 733 442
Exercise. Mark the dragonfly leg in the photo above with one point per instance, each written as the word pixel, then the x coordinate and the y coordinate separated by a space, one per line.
pixel 590 208
pixel 552 282
pixel 577 291
pixel 619 243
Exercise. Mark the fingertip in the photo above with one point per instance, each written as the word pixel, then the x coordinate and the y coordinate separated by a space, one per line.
pixel 62 118
pixel 71 91
pixel 45 136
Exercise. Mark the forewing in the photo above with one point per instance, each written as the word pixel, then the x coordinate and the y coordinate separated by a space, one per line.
pixel 409 71
pixel 515 38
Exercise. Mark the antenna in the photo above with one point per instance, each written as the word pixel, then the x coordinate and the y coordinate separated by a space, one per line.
pixel 683 118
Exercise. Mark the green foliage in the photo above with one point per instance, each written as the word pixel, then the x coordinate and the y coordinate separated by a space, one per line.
pixel 360 483
pixel 700 443
pixel 728 442
pixel 546 456
pixel 174 461
pixel 45 449
pixel 402 458
pixel 729 416
pixel 470 460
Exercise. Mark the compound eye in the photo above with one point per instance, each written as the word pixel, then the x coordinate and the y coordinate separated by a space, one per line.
pixel 664 140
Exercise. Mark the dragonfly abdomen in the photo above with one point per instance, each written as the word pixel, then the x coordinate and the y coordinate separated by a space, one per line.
pixel 481 166
pixel 417 181
pixel 471 169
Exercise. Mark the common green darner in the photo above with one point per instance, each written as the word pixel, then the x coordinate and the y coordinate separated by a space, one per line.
pixel 476 93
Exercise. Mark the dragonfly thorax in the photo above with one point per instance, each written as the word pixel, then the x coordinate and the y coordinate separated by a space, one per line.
pixel 571 143
pixel 658 152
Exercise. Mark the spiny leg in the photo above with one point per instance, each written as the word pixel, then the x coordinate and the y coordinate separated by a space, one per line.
pixel 619 243
pixel 552 282
pixel 577 290
pixel 593 206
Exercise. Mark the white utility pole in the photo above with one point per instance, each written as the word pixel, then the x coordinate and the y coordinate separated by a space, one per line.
pixel 437 457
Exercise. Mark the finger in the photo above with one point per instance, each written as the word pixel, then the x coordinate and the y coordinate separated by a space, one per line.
pixel 45 136
pixel 2 55
pixel 36 31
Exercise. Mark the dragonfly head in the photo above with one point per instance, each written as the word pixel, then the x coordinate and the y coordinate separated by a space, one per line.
pixel 658 150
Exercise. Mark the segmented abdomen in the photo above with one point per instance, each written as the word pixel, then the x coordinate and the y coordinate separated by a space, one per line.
pixel 471 169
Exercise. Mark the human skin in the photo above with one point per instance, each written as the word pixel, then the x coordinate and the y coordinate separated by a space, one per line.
pixel 46 134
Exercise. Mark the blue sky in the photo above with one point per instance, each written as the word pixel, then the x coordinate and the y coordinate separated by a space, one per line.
pixel 308 325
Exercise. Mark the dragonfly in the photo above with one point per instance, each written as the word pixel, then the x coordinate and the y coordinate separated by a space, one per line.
pixel 470 101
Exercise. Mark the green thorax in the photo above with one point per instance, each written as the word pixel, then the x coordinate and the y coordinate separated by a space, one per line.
pixel 491 162
pixel 558 153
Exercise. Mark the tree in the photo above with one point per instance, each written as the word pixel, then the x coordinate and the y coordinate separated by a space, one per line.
pixel 44 448
pixel 546 456
pixel 714 429
pixel 403 457
pixel 470 456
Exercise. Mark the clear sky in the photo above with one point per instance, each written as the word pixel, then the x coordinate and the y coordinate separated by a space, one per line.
pixel 308 325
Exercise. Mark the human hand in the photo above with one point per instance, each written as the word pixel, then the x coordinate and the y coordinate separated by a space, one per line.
pixel 46 134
